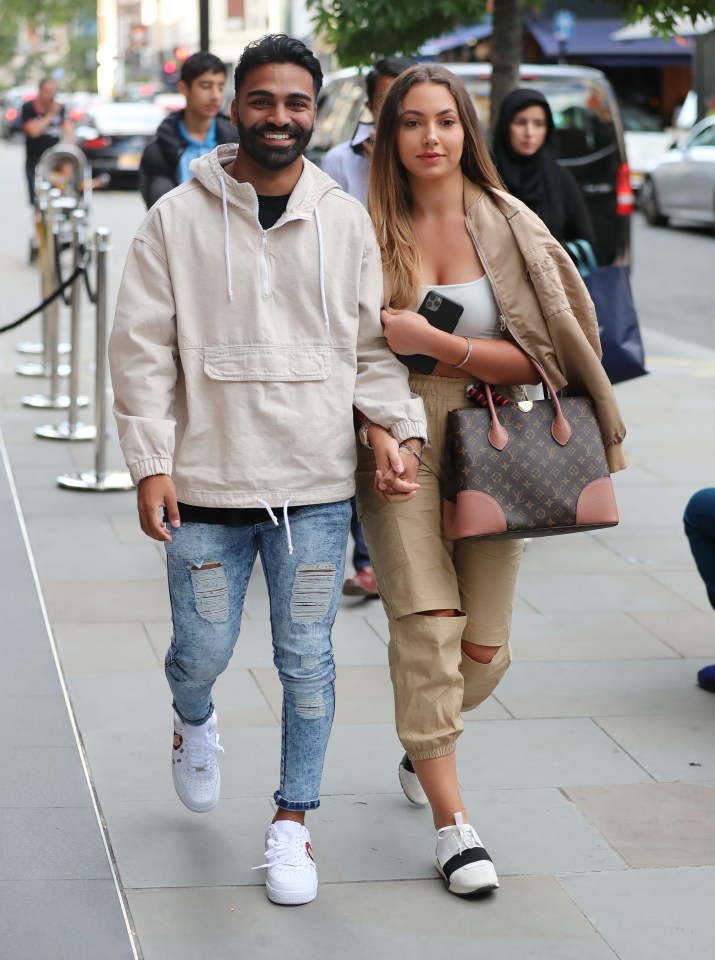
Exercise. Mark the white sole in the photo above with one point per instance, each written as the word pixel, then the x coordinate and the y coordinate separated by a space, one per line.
pixel 292 897
pixel 482 879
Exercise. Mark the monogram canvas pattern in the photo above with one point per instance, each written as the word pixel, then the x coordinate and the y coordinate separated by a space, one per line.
pixel 535 481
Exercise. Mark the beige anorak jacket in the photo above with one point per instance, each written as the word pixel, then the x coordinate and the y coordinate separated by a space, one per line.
pixel 237 353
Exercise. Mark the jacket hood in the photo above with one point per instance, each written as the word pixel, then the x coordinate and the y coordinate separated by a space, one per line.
pixel 211 172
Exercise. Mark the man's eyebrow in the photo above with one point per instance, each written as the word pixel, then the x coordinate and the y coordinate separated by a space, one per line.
pixel 291 96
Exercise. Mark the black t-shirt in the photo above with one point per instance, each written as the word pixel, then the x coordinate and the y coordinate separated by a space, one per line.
pixel 36 146
pixel 270 210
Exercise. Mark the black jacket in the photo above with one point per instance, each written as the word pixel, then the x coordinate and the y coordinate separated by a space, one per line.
pixel 160 160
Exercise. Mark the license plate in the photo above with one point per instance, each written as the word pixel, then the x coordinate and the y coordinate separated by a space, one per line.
pixel 129 161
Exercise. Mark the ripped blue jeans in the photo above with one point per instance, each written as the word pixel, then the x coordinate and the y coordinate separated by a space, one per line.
pixel 209 566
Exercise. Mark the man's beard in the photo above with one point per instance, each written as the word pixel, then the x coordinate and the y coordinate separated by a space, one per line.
pixel 272 158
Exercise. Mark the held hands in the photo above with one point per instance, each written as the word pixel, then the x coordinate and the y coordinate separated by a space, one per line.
pixel 394 476
pixel 153 495
pixel 406 332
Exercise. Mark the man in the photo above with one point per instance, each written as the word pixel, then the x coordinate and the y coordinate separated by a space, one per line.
pixel 247 327
pixel 43 122
pixel 188 133
pixel 349 165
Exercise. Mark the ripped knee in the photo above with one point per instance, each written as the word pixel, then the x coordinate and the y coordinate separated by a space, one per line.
pixel 439 613
pixel 208 579
pixel 478 652
pixel 312 591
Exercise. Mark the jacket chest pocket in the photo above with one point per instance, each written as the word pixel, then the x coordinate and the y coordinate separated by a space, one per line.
pixel 549 290
pixel 263 362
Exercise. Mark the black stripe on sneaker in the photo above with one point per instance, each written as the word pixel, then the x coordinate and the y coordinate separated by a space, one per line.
pixel 407 764
pixel 472 855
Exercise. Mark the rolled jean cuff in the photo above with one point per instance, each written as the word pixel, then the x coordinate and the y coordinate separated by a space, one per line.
pixel 294 804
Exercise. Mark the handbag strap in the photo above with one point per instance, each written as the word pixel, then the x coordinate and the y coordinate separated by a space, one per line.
pixel 581 252
pixel 560 427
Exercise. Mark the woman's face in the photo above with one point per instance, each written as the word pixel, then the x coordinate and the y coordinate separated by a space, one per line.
pixel 430 138
pixel 527 130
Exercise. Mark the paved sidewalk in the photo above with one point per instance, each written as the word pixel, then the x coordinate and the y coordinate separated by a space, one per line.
pixel 590 776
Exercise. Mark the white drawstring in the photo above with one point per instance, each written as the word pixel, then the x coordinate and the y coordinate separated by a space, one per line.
pixel 321 270
pixel 226 249
pixel 286 521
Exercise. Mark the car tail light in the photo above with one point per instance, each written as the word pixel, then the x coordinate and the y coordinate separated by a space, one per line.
pixel 625 201
pixel 97 143
pixel 11 114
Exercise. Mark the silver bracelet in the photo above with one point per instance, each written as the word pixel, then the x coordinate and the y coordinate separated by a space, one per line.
pixel 403 447
pixel 469 353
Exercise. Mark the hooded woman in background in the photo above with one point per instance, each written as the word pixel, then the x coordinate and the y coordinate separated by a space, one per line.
pixel 522 133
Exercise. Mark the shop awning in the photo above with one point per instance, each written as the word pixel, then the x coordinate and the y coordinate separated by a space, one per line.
pixel 592 42
pixel 457 38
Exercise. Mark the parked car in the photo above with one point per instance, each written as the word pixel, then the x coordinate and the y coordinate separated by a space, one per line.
pixel 588 138
pixel 646 139
pixel 13 101
pixel 681 182
pixel 113 136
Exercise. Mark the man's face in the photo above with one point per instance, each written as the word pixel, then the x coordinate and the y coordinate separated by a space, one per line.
pixel 382 86
pixel 205 94
pixel 46 93
pixel 275 114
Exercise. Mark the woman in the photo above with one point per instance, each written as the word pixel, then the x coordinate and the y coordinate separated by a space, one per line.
pixel 522 133
pixel 449 604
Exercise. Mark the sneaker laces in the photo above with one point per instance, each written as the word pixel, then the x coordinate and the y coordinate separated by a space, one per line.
pixel 201 750
pixel 283 848
pixel 464 833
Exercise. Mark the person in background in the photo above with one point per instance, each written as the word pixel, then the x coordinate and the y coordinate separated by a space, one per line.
pixel 44 124
pixel 699 521
pixel 349 164
pixel 520 146
pixel 444 224
pixel 189 133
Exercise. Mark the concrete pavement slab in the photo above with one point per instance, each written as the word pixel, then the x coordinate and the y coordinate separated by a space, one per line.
pixel 49 843
pixel 690 633
pixel 595 592
pixel 669 910
pixel 669 747
pixel 597 689
pixel 529 917
pixel 98 647
pixel 632 816
pixel 571 636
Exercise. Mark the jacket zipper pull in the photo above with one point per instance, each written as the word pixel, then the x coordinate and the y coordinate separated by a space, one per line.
pixel 502 323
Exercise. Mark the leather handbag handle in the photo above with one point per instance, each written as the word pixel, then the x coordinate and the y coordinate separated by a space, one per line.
pixel 560 427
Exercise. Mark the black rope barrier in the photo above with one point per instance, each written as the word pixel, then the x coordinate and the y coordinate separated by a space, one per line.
pixel 81 268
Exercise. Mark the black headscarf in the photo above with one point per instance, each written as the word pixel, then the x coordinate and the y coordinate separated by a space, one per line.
pixel 523 176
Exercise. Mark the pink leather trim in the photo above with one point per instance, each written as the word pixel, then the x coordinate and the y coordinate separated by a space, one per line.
pixel 475 514
pixel 597 503
pixel 561 429
pixel 497 435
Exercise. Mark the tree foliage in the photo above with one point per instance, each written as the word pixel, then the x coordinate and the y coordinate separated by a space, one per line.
pixel 359 30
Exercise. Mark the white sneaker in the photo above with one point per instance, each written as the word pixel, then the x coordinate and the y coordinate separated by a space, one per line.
pixel 409 781
pixel 462 860
pixel 193 764
pixel 291 876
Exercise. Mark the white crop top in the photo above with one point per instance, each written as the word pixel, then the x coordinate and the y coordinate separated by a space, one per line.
pixel 481 314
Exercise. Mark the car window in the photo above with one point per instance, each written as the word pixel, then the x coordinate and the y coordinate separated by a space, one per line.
pixel 706 138
pixel 339 111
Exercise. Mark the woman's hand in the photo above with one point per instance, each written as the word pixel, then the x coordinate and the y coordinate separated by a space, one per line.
pixel 406 332
pixel 394 477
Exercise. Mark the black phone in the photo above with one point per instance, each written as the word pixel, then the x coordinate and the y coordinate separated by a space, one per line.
pixel 441 312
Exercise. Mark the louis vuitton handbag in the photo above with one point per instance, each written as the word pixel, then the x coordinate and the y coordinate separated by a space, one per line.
pixel 533 469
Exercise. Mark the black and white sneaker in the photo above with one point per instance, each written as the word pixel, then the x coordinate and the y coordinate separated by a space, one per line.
pixel 462 860
pixel 410 783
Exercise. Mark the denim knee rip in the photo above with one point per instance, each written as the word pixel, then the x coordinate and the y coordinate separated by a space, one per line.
pixel 210 591
pixel 312 591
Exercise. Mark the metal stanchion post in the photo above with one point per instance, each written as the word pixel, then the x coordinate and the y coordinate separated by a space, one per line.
pixel 100 479
pixel 72 429
pixel 46 263
pixel 54 400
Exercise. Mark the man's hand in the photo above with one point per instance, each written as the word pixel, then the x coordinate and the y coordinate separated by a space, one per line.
pixel 153 495
pixel 394 478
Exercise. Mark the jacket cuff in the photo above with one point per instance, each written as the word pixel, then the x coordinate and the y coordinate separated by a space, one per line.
pixel 150 467
pixel 405 429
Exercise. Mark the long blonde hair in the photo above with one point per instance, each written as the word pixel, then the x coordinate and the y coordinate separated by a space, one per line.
pixel 389 197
